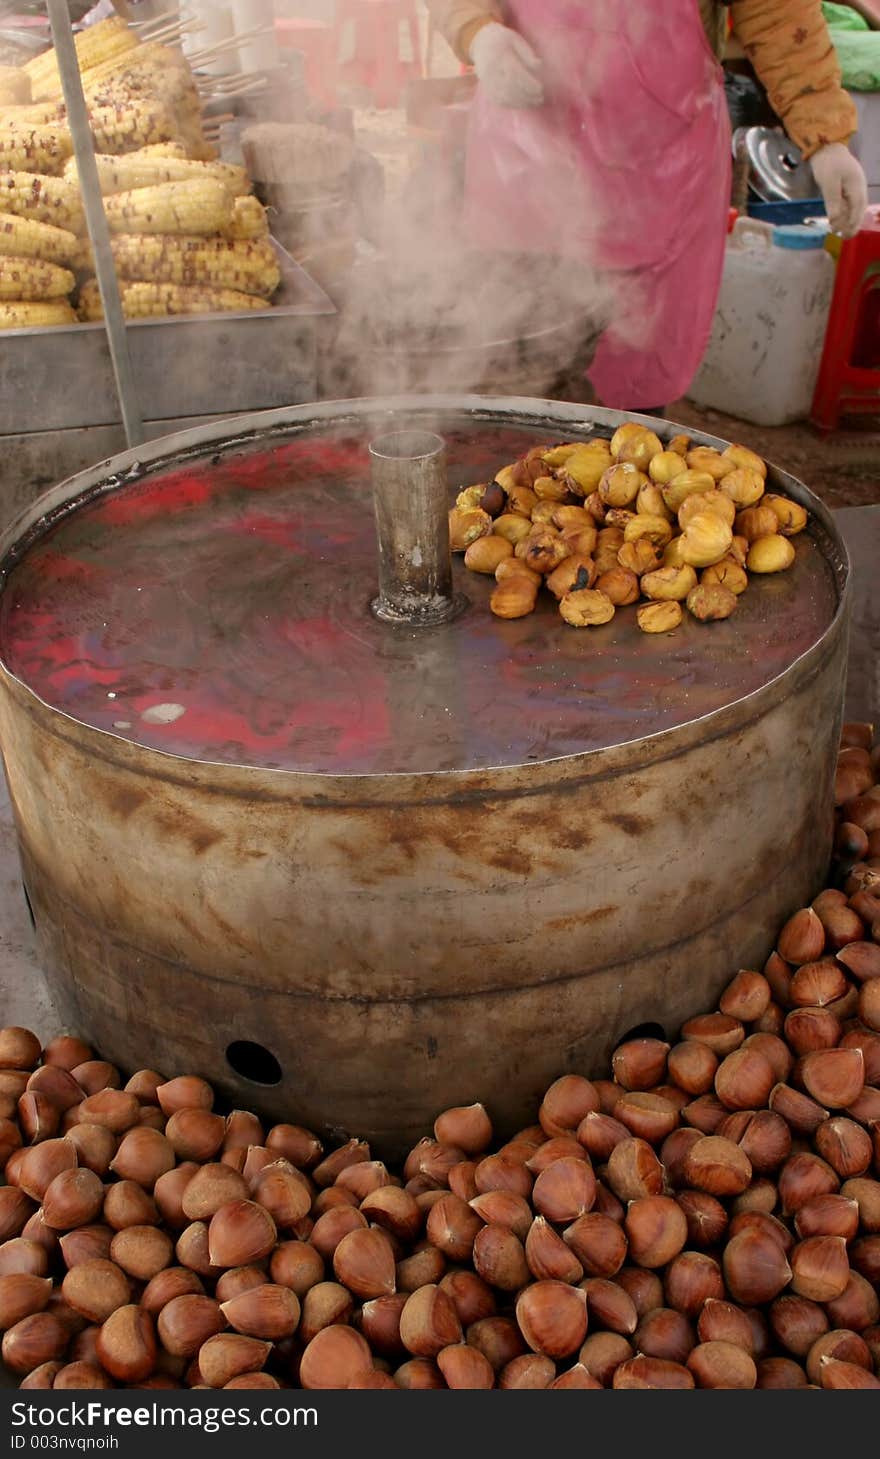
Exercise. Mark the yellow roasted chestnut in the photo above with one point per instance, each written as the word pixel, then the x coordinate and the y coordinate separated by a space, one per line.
pixel 522 500
pixel 580 541
pixel 643 527
pixel 506 477
pixel 621 484
pixel 620 586
pixel 741 456
pixel 659 617
pixel 619 517
pixel 486 553
pixel 706 458
pixel 707 501
pixel 559 455
pixel 685 484
pixel 639 557
pixel 669 584
pixel 511 567
pixel 586 466
pixel 512 526
pixel 755 522
pixel 551 489
pixel 672 554
pixel 623 433
pixel 530 467
pixel 569 516
pixel 770 554
pixel 791 517
pixel 637 445
pixel 744 487
pixel 728 573
pixel 649 501
pixel 542 550
pixel 515 597
pixel 563 578
pixel 470 499
pixel 739 549
pixel 665 467
pixel 586 608
pixel 705 539
pixel 710 601
pixel 466 527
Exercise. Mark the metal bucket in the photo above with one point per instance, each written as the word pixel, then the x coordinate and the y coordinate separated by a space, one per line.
pixel 366 873
pixel 492 324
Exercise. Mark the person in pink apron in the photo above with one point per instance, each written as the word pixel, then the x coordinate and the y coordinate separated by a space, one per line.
pixel 600 131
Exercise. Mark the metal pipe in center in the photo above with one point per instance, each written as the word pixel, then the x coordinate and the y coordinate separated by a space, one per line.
pixel 410 499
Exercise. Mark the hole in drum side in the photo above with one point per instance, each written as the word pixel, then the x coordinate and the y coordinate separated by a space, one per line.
pixel 29 907
pixel 253 1062
pixel 643 1031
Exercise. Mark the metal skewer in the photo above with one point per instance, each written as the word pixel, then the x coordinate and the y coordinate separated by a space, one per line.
pixel 99 232
pixel 210 53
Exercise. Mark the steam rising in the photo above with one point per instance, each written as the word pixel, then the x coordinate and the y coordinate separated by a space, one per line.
pixel 436 305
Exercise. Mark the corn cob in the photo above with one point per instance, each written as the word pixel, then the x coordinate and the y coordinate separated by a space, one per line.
pixel 171 207
pixel 32 279
pixel 93 46
pixel 124 128
pixel 251 267
pixel 44 199
pixel 123 174
pixel 161 149
pixel 198 148
pixel 23 238
pixel 155 82
pixel 21 314
pixel 42 149
pixel 249 220
pixel 83 261
pixel 42 114
pixel 158 301
pixel 149 57
pixel 15 85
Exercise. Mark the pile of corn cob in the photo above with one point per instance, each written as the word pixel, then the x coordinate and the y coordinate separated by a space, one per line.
pixel 188 237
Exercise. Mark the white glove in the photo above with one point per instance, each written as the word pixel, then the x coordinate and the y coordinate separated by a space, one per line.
pixel 843 185
pixel 506 66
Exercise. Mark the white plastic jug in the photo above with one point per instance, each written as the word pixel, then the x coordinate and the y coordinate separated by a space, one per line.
pixel 215 26
pixel 763 356
pixel 260 52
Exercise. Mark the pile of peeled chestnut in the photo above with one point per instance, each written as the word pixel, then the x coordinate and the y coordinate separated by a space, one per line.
pixel 607 523
pixel 706 1217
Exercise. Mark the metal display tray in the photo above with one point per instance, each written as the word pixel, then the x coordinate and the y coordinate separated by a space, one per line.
pixel 190 365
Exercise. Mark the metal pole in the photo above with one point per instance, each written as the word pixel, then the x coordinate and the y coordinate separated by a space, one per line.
pixel 410 491
pixel 99 232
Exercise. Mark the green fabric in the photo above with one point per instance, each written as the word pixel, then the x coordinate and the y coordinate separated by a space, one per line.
pixel 857 47
pixel 843 17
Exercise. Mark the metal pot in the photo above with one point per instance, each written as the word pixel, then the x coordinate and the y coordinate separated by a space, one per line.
pixel 352 873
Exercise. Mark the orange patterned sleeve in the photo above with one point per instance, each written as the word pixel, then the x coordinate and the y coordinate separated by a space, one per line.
pixel 790 48
pixel 459 20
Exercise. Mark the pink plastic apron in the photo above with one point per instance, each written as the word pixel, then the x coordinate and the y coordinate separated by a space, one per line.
pixel 627 167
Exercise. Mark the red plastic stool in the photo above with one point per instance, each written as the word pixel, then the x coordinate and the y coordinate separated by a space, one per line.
pixel 318 43
pixel 849 375
pixel 377 63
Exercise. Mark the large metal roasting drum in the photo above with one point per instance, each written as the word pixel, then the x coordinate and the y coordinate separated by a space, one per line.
pixel 354 871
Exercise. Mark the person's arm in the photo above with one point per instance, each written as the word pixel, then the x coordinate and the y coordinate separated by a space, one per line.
pixel 790 48
pixel 868 9
pixel 458 21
